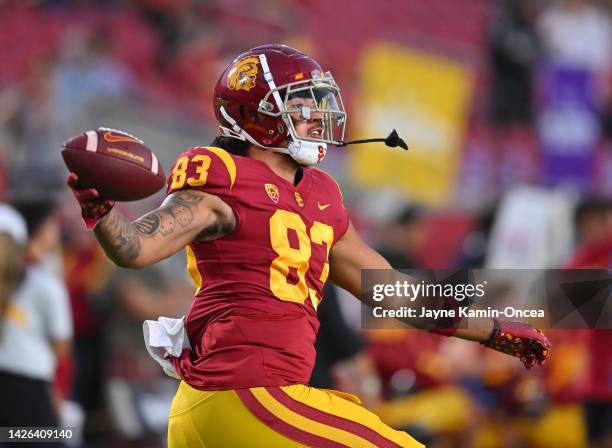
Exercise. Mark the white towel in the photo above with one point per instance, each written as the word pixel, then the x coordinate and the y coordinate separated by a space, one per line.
pixel 165 337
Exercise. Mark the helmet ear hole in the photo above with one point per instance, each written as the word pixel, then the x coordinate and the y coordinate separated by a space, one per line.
pixel 241 111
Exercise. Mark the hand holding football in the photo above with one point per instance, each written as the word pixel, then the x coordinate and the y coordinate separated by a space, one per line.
pixel 115 163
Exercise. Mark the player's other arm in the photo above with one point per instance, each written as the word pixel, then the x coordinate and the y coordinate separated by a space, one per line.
pixel 350 255
pixel 185 216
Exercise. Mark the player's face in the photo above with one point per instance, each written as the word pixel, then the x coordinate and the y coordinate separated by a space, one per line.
pixel 306 125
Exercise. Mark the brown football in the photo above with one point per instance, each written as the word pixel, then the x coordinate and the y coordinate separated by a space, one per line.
pixel 115 163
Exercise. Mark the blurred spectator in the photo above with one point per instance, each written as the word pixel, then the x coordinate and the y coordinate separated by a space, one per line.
pixel 3 180
pixel 86 272
pixel 28 112
pixel 138 392
pixel 573 90
pixel 514 51
pixel 478 180
pixel 36 330
pixel 86 71
pixel 44 250
pixel 476 242
pixel 43 224
pixel 418 383
pixel 594 228
pixel 577 33
pixel 403 240
pixel 174 21
pixel 593 220
pixel 607 115
pixel 541 241
pixel 51 104
pixel 194 69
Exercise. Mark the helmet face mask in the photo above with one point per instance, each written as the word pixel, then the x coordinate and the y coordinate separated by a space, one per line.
pixel 266 94
pixel 311 99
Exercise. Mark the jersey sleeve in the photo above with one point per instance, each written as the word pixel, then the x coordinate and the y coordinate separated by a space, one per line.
pixel 208 169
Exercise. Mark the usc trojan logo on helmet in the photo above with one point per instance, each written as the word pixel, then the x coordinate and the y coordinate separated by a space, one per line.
pixel 243 74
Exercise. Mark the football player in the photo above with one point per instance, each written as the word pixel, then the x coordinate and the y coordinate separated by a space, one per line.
pixel 263 230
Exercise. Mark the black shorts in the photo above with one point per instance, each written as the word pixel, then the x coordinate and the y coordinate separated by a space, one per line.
pixel 25 402
pixel 599 420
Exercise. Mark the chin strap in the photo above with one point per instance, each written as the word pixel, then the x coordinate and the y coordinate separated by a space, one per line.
pixel 307 153
pixel 302 151
pixel 236 131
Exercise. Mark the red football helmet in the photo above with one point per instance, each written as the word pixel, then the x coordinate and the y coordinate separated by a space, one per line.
pixel 255 100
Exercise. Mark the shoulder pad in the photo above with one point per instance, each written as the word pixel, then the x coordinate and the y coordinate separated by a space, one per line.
pixel 205 168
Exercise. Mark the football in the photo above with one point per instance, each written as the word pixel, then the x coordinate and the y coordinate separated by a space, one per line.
pixel 115 163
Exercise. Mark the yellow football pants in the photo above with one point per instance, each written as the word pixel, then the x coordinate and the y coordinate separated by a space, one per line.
pixel 276 417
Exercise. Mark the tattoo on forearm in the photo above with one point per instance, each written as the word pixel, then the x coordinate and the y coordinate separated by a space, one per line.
pixel 176 211
pixel 149 224
pixel 118 237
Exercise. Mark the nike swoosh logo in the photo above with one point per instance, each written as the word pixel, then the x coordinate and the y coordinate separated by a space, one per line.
pixel 322 207
pixel 112 138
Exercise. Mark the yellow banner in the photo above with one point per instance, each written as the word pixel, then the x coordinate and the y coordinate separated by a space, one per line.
pixel 426 98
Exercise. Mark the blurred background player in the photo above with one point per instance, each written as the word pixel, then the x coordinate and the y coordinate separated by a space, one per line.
pixel 43 251
pixel 594 233
pixel 36 328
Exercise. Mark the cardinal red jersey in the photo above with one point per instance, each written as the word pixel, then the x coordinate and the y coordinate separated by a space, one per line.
pixel 253 321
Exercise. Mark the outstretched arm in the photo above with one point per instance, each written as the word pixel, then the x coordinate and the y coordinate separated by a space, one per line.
pixel 351 255
pixel 183 217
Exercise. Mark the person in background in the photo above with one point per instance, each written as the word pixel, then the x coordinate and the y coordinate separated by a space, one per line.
pixel 44 251
pixel 133 381
pixel 44 230
pixel 35 329
pixel 86 273
pixel 404 238
pixel 513 53
pixel 577 33
pixel 593 220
